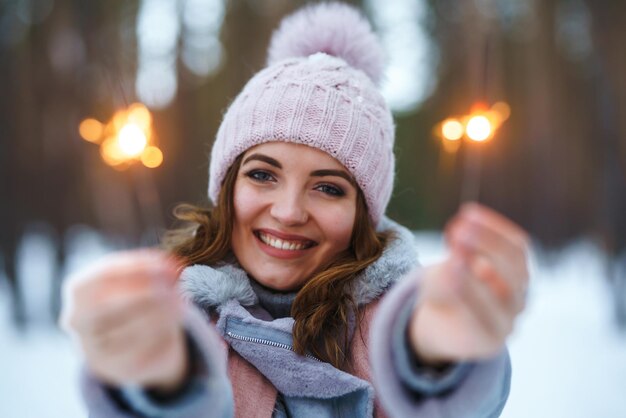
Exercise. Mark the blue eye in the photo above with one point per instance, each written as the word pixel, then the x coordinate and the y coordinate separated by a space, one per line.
pixel 260 175
pixel 330 190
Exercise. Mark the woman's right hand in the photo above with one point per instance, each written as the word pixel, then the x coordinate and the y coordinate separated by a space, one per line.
pixel 470 301
pixel 127 317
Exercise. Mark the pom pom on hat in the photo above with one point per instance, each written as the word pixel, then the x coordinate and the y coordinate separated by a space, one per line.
pixel 336 29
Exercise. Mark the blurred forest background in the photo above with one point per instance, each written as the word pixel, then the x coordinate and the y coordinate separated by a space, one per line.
pixel 557 166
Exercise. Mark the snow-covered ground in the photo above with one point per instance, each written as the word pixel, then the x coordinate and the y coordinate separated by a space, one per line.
pixel 569 360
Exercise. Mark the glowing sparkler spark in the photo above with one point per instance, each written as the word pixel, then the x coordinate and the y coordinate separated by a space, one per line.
pixel 125 139
pixel 452 129
pixel 502 109
pixel 132 140
pixel 140 115
pixel 90 130
pixel 152 157
pixel 111 152
pixel 479 128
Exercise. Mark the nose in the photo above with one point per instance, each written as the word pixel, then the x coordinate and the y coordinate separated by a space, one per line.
pixel 290 209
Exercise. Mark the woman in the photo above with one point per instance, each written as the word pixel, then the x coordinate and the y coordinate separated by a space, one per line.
pixel 283 280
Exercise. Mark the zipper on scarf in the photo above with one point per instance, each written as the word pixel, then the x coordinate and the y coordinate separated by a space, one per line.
pixel 267 342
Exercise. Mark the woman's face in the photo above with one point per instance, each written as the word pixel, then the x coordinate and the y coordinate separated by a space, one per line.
pixel 294 212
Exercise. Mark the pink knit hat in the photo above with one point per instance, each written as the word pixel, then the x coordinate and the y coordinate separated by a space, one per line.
pixel 318 89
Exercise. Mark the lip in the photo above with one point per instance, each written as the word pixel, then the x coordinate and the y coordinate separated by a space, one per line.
pixel 280 253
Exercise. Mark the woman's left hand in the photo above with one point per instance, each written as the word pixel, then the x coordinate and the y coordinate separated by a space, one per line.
pixel 469 302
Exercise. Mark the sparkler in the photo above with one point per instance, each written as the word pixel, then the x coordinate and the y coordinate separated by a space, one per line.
pixel 125 140
pixel 479 127
pixel 473 130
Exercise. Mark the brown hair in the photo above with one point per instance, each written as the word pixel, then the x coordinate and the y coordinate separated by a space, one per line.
pixel 324 307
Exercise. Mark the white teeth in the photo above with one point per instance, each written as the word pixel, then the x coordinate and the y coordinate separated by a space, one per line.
pixel 280 244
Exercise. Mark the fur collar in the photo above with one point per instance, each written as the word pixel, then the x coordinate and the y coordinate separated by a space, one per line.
pixel 210 287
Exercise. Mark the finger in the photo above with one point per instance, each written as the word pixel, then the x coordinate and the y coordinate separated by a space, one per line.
pixel 126 366
pixel 119 309
pixel 488 240
pixel 496 221
pixel 482 216
pixel 484 306
pixel 123 274
pixel 133 332
pixel 123 266
pixel 484 271
pixel 136 273
pixel 469 237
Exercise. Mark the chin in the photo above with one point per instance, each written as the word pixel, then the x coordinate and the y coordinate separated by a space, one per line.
pixel 286 284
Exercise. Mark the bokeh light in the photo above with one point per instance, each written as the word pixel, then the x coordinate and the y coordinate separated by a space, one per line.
pixel 140 115
pixel 132 140
pixel 502 109
pixel 152 157
pixel 156 80
pixel 202 52
pixel 91 130
pixel 411 74
pixel 478 128
pixel 111 152
pixel 129 137
pixel 452 129
pixel 118 120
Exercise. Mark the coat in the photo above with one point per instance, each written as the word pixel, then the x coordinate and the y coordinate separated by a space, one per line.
pixel 244 359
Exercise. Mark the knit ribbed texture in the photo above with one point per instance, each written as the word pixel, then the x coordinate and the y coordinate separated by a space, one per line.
pixel 319 101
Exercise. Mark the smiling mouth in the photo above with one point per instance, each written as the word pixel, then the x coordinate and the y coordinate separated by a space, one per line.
pixel 282 244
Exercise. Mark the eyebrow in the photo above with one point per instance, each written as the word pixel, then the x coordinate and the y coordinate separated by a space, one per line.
pixel 338 173
pixel 263 158
pixel 315 173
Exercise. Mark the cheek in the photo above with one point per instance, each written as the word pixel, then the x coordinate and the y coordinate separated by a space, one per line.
pixel 339 224
pixel 245 205
pixel 244 215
